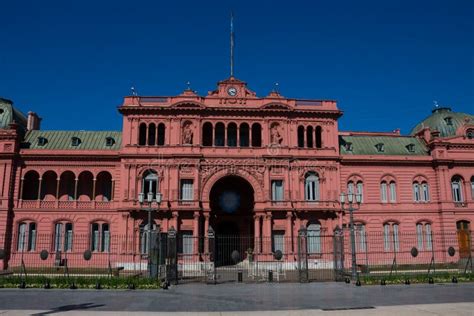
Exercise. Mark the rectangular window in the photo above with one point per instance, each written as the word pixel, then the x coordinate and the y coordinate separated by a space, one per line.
pixel 396 240
pixel 68 237
pixel 95 237
pixel 314 238
pixel 426 192
pixel 419 235
pixel 360 191
pixel 278 241
pixel 383 192
pixel 105 245
pixel 277 190
pixel 360 237
pixel 429 242
pixel 21 237
pixel 386 237
pixel 187 190
pixel 393 192
pixel 186 242
pixel 32 237
pixel 457 197
pixel 416 192
pixel 58 234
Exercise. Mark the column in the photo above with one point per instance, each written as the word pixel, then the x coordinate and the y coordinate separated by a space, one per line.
pixel 289 233
pixel 174 221
pixel 295 232
pixel 39 192
pixel 238 135
pixel 267 233
pixel 76 181
pixel 196 232
pixel 257 237
pixel 57 192
pixel 93 192
pixel 206 229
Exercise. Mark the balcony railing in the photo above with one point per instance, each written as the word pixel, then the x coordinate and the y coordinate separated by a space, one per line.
pixel 55 204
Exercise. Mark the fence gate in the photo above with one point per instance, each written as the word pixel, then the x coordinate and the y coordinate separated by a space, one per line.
pixel 338 255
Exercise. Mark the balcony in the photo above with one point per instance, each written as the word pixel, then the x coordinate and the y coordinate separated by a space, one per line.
pixel 303 205
pixel 55 204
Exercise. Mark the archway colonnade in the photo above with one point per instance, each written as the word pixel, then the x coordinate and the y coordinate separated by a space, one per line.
pixel 67 186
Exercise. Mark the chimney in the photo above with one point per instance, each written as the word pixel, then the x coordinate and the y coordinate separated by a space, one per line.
pixel 33 121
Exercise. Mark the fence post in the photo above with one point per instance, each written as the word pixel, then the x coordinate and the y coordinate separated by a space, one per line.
pixel 338 254
pixel 154 253
pixel 212 256
pixel 302 255
pixel 172 266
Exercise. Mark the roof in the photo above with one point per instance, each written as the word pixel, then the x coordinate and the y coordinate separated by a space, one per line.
pixel 89 140
pixel 9 114
pixel 437 121
pixel 393 145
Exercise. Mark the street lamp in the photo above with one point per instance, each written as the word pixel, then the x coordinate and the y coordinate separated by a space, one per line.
pixel 351 208
pixel 150 199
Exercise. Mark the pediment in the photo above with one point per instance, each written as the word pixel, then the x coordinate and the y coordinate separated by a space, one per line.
pixel 188 105
pixel 276 106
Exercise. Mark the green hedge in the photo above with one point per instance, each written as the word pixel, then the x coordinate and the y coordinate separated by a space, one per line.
pixel 80 282
pixel 400 278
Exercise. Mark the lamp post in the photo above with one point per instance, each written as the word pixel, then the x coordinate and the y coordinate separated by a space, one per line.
pixel 351 208
pixel 150 200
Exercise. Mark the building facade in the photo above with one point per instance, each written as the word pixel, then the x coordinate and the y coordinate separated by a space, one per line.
pixel 261 167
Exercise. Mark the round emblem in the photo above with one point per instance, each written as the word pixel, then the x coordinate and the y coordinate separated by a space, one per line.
pixel 232 91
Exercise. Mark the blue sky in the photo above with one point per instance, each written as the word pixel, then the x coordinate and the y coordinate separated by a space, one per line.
pixel 383 61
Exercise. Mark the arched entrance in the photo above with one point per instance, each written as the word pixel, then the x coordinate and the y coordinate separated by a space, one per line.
pixel 231 203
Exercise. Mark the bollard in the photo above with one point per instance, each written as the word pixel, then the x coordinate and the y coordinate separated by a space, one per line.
pixel 239 276
pixel 270 276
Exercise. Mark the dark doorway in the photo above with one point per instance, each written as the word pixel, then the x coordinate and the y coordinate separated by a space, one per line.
pixel 232 201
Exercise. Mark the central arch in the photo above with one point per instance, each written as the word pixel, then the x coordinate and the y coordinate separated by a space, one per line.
pixel 232 208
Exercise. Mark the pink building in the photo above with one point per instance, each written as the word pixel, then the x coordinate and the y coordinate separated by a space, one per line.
pixel 241 164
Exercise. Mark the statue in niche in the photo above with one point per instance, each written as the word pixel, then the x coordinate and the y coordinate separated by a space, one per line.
pixel 188 133
pixel 275 136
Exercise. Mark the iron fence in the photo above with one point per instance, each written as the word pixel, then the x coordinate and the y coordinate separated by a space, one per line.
pixel 309 256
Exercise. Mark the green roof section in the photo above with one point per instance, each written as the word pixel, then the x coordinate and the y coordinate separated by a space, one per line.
pixel 9 114
pixel 89 140
pixel 445 121
pixel 392 145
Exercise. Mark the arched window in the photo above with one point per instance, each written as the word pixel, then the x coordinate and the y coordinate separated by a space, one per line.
pixel 30 186
pixel 161 134
pixel 142 134
pixel 151 134
pixel 393 192
pixel 314 238
pixel 103 187
pixel 425 191
pixel 360 190
pixel 232 135
pixel 456 188
pixel 470 133
pixel 319 137
pixel 301 136
pixel 207 134
pixel 416 192
pixel 309 136
pixel 150 183
pixel 383 192
pixel 219 134
pixel 391 236
pixel 100 237
pixel 85 185
pixel 26 238
pixel 424 236
pixel 311 187
pixel 256 135
pixel 49 185
pixel 66 186
pixel 244 135
pixel 63 237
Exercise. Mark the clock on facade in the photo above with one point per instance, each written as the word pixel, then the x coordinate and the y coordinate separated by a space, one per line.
pixel 232 91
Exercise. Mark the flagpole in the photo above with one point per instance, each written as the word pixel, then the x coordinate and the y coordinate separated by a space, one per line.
pixel 232 44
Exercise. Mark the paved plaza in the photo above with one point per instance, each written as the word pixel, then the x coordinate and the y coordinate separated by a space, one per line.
pixel 232 299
